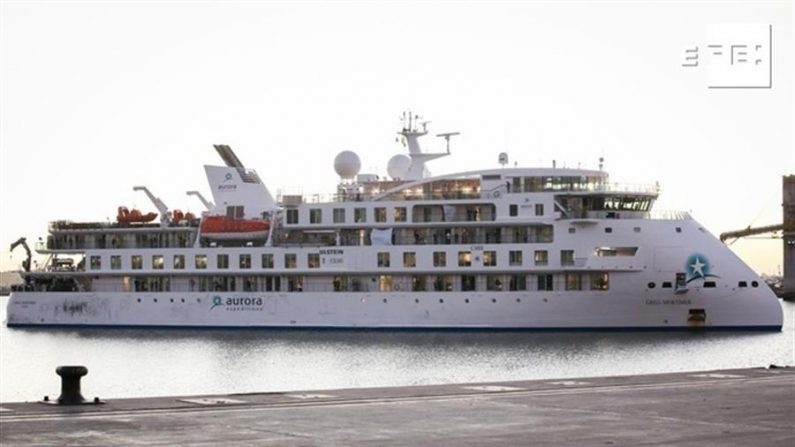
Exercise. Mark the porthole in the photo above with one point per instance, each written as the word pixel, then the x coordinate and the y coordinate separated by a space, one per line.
pixel 518 300
pixel 172 300
pixel 198 300
pixel 678 229
pixel 466 300
pixel 650 285
pixel 493 300
pixel 754 284
pixel 139 300
pixel 155 300
pixel 441 300
pixel 182 300
pixel 384 300
pixel 416 300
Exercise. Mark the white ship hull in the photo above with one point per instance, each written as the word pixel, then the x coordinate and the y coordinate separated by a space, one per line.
pixel 511 310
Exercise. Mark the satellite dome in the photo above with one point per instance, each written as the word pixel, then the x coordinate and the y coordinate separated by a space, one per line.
pixel 347 164
pixel 398 166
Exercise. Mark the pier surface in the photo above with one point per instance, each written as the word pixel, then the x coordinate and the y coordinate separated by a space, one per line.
pixel 715 408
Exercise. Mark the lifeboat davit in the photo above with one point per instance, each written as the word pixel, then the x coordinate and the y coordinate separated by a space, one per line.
pixel 227 228
pixel 126 216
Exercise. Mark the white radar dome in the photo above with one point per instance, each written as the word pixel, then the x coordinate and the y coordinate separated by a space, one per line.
pixel 347 164
pixel 398 166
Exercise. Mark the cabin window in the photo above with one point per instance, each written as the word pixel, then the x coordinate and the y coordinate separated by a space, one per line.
pixel 360 215
pixel 313 260
pixel 179 262
pixel 513 210
pixel 545 282
pixel 517 282
pixel 464 258
pixel 572 230
pixel 339 215
pixel 468 283
pixel 439 259
pixel 567 257
pixel 157 262
pixel 418 283
pixel 443 283
pixel 245 261
pixel 573 281
pixel 137 262
pixel 201 262
pixel 489 258
pixel 380 214
pixel 608 229
pixel 115 262
pixel 267 260
pixel 222 261
pixel 96 262
pixel 383 259
pixel 400 214
pixel 385 283
pixel 541 257
pixel 742 284
pixel 667 284
pixel 290 260
pixel 292 216
pixel 539 209
pixel 515 257
pixel 409 259
pixel 600 281
pixel 315 215
pixel 494 283
pixel 709 284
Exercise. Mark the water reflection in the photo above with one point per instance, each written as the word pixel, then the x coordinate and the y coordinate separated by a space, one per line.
pixel 136 362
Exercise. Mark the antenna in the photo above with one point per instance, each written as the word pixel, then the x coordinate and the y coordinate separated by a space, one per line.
pixel 447 136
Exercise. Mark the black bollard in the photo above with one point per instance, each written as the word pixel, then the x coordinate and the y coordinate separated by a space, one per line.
pixel 70 384
pixel 70 387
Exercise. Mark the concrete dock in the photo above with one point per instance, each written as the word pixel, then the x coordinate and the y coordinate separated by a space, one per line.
pixel 745 407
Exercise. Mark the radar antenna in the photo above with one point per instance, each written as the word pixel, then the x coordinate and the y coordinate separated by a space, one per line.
pixel 446 137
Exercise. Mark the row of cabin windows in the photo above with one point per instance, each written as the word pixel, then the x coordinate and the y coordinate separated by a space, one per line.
pixel 422 213
pixel 540 258
pixel 596 281
pixel 399 214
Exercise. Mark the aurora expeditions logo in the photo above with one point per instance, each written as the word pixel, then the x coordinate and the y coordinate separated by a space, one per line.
pixel 237 303
pixel 225 185
pixel 698 267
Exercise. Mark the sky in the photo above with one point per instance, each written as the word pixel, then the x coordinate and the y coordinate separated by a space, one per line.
pixel 97 97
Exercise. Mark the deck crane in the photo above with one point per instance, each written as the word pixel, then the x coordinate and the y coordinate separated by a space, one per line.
pixel 207 204
pixel 26 262
pixel 161 207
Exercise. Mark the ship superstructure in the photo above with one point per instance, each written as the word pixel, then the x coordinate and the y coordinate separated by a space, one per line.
pixel 504 248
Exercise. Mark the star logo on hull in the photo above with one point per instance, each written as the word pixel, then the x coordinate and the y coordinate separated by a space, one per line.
pixel 698 267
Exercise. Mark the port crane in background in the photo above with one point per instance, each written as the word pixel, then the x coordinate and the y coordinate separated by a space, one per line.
pixel 787 229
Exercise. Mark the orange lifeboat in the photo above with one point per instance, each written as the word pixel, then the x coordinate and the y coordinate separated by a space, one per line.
pixel 126 216
pixel 227 228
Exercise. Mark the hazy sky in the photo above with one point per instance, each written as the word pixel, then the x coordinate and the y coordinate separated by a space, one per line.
pixel 96 97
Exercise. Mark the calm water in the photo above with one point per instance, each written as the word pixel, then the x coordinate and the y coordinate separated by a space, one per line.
pixel 130 363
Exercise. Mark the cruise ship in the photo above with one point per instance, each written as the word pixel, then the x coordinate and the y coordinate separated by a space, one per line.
pixel 504 248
